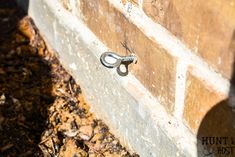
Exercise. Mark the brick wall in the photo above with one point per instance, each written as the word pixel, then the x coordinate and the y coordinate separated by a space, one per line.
pixel 185 53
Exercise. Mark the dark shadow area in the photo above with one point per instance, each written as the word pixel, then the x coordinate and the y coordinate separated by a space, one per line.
pixel 216 134
pixel 25 86
pixel 123 71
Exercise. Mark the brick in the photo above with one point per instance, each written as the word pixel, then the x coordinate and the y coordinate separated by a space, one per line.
pixel 205 109
pixel 156 69
pixel 134 2
pixel 206 27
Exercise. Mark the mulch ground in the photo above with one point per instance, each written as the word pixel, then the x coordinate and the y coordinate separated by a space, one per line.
pixel 42 110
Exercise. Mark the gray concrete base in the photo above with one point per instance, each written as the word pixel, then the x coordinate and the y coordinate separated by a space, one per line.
pixel 131 112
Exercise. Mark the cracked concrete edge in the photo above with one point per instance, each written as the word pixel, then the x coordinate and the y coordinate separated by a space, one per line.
pixel 131 112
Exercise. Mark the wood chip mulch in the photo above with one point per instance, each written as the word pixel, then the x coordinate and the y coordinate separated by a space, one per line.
pixel 42 110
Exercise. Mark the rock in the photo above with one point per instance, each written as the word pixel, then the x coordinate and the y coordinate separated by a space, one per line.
pixel 71 133
pixel 85 132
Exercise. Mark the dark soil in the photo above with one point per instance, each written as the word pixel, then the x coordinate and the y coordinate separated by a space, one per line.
pixel 42 110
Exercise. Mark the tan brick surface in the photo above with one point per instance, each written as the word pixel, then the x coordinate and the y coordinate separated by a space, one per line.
pixel 207 27
pixel 200 99
pixel 135 2
pixel 155 68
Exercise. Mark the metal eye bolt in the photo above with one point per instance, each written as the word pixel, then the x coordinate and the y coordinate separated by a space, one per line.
pixel 113 60
pixel 116 60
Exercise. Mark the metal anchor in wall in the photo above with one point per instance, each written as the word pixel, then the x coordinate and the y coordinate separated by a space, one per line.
pixel 113 60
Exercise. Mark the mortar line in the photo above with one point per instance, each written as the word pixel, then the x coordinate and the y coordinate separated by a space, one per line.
pixel 181 77
pixel 141 2
pixel 174 46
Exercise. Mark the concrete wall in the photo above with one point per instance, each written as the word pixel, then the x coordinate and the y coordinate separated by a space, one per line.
pixel 178 91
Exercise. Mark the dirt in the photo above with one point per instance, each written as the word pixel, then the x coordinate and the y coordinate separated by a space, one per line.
pixel 42 109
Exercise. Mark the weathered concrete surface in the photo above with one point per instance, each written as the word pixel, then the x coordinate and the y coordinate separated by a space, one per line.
pixel 123 103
